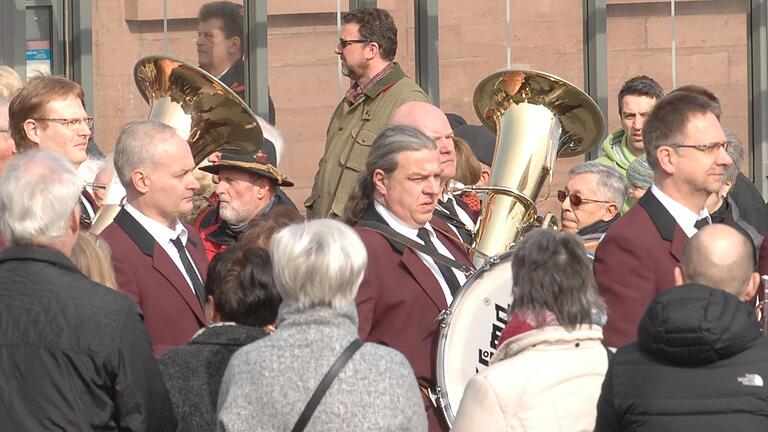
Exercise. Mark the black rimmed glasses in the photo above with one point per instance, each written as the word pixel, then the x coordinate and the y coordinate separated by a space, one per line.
pixel 705 148
pixel 70 123
pixel 343 43
pixel 576 199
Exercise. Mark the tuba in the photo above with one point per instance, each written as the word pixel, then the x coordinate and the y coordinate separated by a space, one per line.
pixel 203 110
pixel 536 117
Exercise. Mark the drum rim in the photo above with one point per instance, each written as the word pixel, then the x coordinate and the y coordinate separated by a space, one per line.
pixel 445 319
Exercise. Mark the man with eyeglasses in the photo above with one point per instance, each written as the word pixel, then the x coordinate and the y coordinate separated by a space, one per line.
pixel 366 49
pixel 592 198
pixel 7 145
pixel 49 113
pixel 686 149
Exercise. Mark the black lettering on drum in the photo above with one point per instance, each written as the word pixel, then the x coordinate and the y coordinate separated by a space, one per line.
pixel 498 326
pixel 484 355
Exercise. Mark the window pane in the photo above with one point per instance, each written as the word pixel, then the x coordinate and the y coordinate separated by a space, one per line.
pixel 546 36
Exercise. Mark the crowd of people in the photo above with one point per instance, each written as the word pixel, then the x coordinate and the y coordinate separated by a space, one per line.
pixel 222 308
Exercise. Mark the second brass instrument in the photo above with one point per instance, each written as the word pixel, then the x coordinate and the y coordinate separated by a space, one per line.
pixel 537 118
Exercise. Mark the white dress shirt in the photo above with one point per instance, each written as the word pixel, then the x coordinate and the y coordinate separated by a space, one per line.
pixel 163 236
pixel 464 216
pixel 682 214
pixel 396 224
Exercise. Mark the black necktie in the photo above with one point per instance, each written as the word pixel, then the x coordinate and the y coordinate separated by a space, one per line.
pixel 701 223
pixel 464 232
pixel 447 272
pixel 197 285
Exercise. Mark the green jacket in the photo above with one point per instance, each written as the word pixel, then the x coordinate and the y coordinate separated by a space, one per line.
pixel 615 152
pixel 350 134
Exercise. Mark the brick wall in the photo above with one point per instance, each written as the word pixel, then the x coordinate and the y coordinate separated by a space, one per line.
pixel 546 35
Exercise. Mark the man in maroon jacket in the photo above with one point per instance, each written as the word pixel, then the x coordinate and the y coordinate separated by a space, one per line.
pixel 159 262
pixel 404 289
pixel 686 149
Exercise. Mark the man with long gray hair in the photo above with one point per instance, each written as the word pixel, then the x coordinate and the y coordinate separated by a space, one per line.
pixel 413 267
pixel 75 355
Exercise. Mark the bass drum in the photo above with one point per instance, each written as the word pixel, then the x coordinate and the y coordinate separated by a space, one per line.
pixel 470 330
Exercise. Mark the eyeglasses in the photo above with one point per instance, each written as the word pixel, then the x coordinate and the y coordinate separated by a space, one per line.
pixel 576 199
pixel 343 43
pixel 97 186
pixel 71 123
pixel 706 148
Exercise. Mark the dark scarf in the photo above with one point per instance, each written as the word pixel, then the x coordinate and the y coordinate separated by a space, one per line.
pixel 599 227
pixel 226 233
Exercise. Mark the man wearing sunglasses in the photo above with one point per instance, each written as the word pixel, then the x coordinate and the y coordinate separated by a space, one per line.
pixel 366 51
pixel 687 151
pixel 49 113
pixel 592 198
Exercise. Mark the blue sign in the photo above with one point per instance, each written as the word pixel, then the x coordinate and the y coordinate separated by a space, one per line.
pixel 38 54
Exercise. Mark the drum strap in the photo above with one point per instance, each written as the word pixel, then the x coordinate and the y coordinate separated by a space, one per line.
pixel 393 235
pixel 325 384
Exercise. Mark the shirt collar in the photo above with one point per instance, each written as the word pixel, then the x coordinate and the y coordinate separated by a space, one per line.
pixel 398 225
pixel 356 90
pixel 161 233
pixel 682 214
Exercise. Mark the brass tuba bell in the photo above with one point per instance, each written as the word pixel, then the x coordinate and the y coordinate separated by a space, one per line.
pixel 203 110
pixel 536 117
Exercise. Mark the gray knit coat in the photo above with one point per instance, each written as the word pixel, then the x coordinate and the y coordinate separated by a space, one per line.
pixel 268 383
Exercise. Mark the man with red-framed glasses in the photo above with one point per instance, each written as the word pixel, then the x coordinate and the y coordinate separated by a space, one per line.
pixel 687 150
pixel 592 198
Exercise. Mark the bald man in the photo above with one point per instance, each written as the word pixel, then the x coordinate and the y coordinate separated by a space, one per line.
pixel 433 122
pixel 700 362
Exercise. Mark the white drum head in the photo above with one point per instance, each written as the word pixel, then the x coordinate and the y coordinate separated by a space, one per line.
pixel 470 331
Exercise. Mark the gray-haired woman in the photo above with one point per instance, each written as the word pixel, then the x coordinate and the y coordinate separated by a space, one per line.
pixel 548 370
pixel 318 267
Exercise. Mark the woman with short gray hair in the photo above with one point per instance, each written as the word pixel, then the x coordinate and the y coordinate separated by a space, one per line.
pixel 318 267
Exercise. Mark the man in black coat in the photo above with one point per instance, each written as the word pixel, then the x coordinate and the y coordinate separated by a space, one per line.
pixel 700 362
pixel 74 354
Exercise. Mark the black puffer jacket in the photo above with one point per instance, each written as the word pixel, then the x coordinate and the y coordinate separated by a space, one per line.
pixel 700 364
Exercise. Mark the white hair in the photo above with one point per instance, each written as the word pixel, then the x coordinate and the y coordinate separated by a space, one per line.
pixel 38 192
pixel 611 185
pixel 88 169
pixel 318 263
pixel 135 147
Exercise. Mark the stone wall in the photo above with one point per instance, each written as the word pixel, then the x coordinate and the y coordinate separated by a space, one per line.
pixel 546 35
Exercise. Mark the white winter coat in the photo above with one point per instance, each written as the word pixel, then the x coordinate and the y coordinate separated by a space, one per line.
pixel 547 379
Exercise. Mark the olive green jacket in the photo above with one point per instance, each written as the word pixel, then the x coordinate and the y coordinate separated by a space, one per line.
pixel 351 132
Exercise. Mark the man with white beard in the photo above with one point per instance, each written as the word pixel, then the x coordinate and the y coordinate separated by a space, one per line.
pixel 247 189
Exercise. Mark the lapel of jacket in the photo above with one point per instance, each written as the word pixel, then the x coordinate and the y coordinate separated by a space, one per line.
pixel 665 223
pixel 414 265
pixel 161 262
pixel 197 253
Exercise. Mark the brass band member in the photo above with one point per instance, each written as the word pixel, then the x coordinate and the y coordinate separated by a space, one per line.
pixel 405 289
